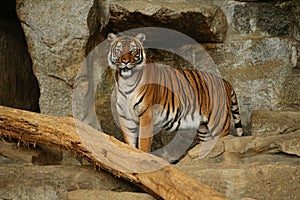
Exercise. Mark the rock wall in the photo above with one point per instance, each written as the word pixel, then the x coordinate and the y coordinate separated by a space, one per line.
pixel 56 43
pixel 254 44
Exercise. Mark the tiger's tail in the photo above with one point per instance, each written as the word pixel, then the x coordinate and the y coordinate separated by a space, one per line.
pixel 236 114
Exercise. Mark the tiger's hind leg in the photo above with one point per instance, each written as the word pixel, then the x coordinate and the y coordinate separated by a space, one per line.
pixel 203 132
pixel 207 141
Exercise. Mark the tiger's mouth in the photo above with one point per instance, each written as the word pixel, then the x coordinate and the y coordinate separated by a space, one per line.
pixel 125 71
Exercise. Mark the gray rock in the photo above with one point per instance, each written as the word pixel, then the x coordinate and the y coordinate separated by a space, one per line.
pixel 247 146
pixel 257 65
pixel 106 195
pixel 59 40
pixel 31 193
pixel 56 43
pixel 260 181
pixel 26 154
pixel 265 122
pixel 259 167
pixel 56 181
pixel 10 153
pixel 204 23
pixel 265 19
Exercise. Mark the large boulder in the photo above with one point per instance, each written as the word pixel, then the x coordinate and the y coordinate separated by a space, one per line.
pixel 259 167
pixel 56 34
pixel 264 122
pixel 106 195
pixel 204 23
pixel 54 182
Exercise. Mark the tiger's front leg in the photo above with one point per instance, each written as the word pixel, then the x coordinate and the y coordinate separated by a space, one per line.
pixel 130 131
pixel 145 132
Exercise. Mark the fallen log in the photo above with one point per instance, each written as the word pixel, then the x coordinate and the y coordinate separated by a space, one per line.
pixel 151 173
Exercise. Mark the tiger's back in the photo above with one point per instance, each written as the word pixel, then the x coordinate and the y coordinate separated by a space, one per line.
pixel 185 98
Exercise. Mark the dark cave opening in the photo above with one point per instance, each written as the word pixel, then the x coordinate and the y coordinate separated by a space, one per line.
pixel 18 84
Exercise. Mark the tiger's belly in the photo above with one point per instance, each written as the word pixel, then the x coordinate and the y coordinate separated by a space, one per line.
pixel 182 123
pixel 190 123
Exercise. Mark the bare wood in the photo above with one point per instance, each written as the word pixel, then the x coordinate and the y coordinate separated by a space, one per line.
pixel 148 171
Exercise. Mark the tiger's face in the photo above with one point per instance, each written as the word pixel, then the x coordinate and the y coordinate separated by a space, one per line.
pixel 126 54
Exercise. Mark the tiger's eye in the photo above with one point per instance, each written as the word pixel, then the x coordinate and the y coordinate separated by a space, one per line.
pixel 133 50
pixel 118 51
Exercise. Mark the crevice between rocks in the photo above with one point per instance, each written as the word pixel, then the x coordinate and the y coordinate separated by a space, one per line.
pixel 19 86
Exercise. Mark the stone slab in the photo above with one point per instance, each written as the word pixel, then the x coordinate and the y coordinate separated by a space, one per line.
pixel 56 180
pixel 264 122
pixel 106 195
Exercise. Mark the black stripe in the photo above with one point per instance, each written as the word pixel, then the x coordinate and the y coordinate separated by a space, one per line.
pixel 238 125
pixel 121 92
pixel 143 111
pixel 168 112
pixel 188 103
pixel 235 112
pixel 202 132
pixel 167 125
pixel 163 96
pixel 234 117
pixel 171 90
pixel 137 81
pixel 132 129
pixel 196 94
pixel 174 120
pixel 125 117
pixel 179 122
pixel 182 98
pixel 234 103
pixel 139 101
pixel 207 78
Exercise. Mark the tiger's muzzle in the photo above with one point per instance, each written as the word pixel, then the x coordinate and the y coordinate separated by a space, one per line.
pixel 125 70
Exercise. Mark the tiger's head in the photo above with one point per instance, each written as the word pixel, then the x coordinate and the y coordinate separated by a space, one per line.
pixel 126 53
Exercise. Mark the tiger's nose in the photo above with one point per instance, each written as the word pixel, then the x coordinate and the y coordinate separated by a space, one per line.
pixel 125 60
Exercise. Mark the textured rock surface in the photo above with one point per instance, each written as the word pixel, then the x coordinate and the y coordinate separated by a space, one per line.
pixel 242 149
pixel 106 195
pixel 260 167
pixel 31 193
pixel 265 181
pixel 10 153
pixel 56 43
pixel 259 55
pixel 265 122
pixel 263 166
pixel 54 182
pixel 204 23
pixel 23 177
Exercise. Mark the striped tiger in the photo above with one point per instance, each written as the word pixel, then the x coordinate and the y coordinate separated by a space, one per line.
pixel 150 97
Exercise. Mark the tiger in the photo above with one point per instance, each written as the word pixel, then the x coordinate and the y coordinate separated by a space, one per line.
pixel 151 97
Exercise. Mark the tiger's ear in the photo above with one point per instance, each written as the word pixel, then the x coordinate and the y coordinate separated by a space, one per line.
pixel 111 37
pixel 141 37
